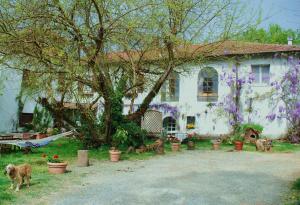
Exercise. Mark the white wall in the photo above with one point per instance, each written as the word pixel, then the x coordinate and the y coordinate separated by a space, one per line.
pixel 8 102
pixel 207 120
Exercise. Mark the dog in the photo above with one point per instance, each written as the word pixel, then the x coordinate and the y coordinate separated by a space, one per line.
pixel 17 174
pixel 264 145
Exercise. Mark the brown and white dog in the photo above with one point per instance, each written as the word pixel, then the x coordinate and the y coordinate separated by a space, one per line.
pixel 17 174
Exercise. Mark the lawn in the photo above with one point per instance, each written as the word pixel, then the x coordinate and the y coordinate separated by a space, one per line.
pixel 66 148
pixel 293 198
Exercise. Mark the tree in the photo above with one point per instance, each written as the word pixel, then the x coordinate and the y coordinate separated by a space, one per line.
pixel 110 47
pixel 274 34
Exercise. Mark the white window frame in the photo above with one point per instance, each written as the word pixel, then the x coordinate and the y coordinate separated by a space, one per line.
pixel 260 73
pixel 171 126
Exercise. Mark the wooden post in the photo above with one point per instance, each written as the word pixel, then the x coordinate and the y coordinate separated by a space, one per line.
pixel 83 158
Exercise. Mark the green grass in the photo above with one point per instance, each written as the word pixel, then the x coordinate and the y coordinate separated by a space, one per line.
pixel 66 148
pixel 293 197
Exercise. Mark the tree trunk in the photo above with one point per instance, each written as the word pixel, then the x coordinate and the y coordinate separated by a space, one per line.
pixel 155 89
pixel 107 121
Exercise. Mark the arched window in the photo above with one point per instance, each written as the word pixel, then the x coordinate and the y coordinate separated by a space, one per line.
pixel 208 85
pixel 170 89
pixel 169 124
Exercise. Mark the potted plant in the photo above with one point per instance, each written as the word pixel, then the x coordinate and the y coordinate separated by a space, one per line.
pixel 216 144
pixel 56 165
pixel 41 121
pixel 119 138
pixel 238 142
pixel 175 144
pixel 191 140
pixel 42 134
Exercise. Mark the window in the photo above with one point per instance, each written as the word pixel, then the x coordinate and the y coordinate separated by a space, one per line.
pixel 170 89
pixel 25 118
pixel 261 74
pixel 208 85
pixel 190 122
pixel 169 124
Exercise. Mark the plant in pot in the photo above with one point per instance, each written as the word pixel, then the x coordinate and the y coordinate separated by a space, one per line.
pixel 216 144
pixel 191 141
pixel 118 139
pixel 238 140
pixel 41 121
pixel 175 144
pixel 56 165
pixel 42 134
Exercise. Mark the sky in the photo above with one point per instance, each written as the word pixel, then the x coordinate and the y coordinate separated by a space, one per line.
pixel 286 13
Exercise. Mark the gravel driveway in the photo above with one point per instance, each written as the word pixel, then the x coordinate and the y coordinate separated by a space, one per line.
pixel 189 177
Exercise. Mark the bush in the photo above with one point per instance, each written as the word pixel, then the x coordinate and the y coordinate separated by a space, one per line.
pixel 136 135
pixel 119 138
pixel 42 120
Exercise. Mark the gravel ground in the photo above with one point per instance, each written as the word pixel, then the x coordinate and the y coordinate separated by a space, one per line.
pixel 189 177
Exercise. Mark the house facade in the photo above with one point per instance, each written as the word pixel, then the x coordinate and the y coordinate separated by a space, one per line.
pixel 190 101
pixel 198 94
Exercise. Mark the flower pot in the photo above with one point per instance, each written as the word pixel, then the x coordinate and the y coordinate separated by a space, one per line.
pixel 191 145
pixel 26 136
pixel 238 145
pixel 41 136
pixel 175 147
pixel 216 146
pixel 57 168
pixel 114 155
pixel 82 158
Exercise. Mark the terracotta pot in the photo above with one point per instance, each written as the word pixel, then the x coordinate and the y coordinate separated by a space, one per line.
pixel 41 136
pixel 238 145
pixel 26 136
pixel 57 168
pixel 82 158
pixel 216 146
pixel 191 145
pixel 114 155
pixel 175 147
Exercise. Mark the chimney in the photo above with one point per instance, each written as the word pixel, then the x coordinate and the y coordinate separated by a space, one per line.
pixel 290 40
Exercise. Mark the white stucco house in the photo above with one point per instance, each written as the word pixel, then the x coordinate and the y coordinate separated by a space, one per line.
pixel 194 94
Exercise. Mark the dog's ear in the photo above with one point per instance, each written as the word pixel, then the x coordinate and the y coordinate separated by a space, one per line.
pixel 5 172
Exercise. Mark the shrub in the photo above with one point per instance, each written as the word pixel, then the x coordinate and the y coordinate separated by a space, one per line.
pixel 136 135
pixel 42 119
pixel 119 138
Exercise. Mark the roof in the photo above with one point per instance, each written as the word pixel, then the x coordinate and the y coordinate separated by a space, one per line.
pixel 217 49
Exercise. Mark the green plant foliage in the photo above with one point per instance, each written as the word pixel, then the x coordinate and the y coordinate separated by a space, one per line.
pixel 120 137
pixel 42 119
pixel 256 127
pixel 275 34
pixel 238 137
pixel 54 159
pixel 136 135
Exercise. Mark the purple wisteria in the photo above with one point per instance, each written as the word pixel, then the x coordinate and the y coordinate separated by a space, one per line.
pixel 231 102
pixel 166 108
pixel 287 95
